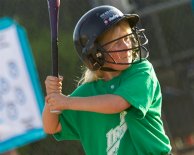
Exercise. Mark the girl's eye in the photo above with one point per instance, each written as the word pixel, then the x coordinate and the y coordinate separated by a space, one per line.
pixel 127 38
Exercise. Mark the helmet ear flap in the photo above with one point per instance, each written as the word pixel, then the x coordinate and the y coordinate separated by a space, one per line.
pixel 93 57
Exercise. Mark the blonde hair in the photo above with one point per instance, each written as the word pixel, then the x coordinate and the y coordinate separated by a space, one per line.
pixel 88 75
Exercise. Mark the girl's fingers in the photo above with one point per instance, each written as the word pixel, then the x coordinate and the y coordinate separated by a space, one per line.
pixel 53 83
pixel 52 78
pixel 47 99
pixel 50 101
pixel 54 87
pixel 60 84
pixel 53 91
pixel 60 78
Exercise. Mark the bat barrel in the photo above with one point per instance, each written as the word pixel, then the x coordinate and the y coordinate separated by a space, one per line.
pixel 53 7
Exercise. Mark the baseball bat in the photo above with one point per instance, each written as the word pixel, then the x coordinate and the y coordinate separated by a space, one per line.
pixel 53 8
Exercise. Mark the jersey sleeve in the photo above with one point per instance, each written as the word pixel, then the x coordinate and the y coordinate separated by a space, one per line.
pixel 69 129
pixel 138 91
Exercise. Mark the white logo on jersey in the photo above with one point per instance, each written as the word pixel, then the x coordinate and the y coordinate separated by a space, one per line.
pixel 115 135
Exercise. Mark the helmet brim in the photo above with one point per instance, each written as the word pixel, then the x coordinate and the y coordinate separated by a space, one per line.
pixel 132 19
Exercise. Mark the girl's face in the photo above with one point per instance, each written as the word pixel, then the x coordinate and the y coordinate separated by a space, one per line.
pixel 120 59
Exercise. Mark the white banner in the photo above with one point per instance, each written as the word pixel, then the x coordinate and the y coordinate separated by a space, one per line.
pixel 21 99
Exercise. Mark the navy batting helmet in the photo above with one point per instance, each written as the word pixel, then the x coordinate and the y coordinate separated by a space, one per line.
pixel 94 23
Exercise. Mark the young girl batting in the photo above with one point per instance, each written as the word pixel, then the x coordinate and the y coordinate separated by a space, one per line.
pixel 116 109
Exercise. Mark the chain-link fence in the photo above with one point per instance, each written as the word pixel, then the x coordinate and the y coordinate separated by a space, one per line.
pixel 170 29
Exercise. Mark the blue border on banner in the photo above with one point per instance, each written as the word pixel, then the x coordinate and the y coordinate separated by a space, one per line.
pixel 192 4
pixel 34 134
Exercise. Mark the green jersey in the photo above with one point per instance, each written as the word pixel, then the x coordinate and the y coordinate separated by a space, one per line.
pixel 135 131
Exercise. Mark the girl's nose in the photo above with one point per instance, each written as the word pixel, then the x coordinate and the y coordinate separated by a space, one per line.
pixel 118 54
